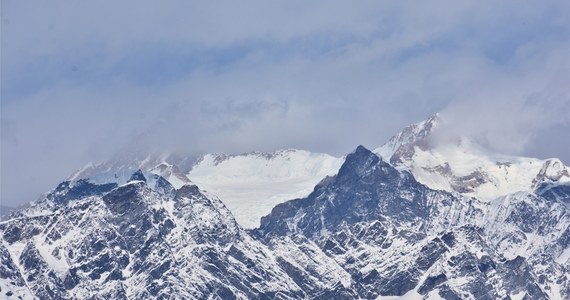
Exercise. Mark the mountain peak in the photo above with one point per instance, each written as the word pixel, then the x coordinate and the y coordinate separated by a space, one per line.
pixel 187 190
pixel 401 146
pixel 358 162
pixel 138 176
pixel 552 171
pixel 460 164
pixel 361 150
pixel 371 230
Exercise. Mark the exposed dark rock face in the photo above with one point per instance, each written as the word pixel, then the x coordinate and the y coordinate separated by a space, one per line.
pixel 138 176
pixel 365 189
pixel 67 190
pixel 135 242
pixel 384 229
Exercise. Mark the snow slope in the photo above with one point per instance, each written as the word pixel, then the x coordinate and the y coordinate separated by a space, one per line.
pixel 139 240
pixel 459 164
pixel 481 226
pixel 396 237
pixel 368 232
pixel 252 184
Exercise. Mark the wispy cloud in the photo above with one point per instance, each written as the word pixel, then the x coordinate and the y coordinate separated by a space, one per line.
pixel 80 81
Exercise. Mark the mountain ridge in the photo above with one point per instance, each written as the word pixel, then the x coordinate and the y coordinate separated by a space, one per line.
pixel 367 228
pixel 459 164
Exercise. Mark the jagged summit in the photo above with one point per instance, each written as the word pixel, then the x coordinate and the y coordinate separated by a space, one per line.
pixel 396 237
pixel 401 145
pixel 169 166
pixel 433 220
pixel 135 242
pixel 462 165
pixel 137 176
pixel 365 188
pixel 250 184
pixel 360 158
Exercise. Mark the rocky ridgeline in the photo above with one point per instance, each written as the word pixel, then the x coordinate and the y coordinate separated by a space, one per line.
pixel 367 232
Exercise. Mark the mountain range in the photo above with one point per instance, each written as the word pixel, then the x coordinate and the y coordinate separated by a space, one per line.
pixel 424 216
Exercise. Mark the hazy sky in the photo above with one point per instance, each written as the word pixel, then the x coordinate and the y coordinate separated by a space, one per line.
pixel 83 80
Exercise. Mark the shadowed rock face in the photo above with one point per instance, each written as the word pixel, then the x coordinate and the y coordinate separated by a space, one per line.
pixel 67 191
pixel 368 231
pixel 384 229
pixel 134 242
pixel 559 192
pixel 138 176
pixel 365 189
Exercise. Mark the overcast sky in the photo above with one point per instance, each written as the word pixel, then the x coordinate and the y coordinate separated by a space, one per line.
pixel 83 80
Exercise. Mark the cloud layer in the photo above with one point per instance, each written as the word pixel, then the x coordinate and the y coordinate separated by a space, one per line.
pixel 81 82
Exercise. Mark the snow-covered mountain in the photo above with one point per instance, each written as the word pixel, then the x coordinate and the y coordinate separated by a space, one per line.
pixel 396 237
pixel 370 231
pixel 419 218
pixel 171 167
pixel 252 184
pixel 138 240
pixel 459 164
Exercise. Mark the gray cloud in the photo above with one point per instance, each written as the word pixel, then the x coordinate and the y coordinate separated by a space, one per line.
pixel 81 82
pixel 511 112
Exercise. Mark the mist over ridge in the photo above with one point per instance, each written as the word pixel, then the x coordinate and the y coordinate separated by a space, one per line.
pixel 81 83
